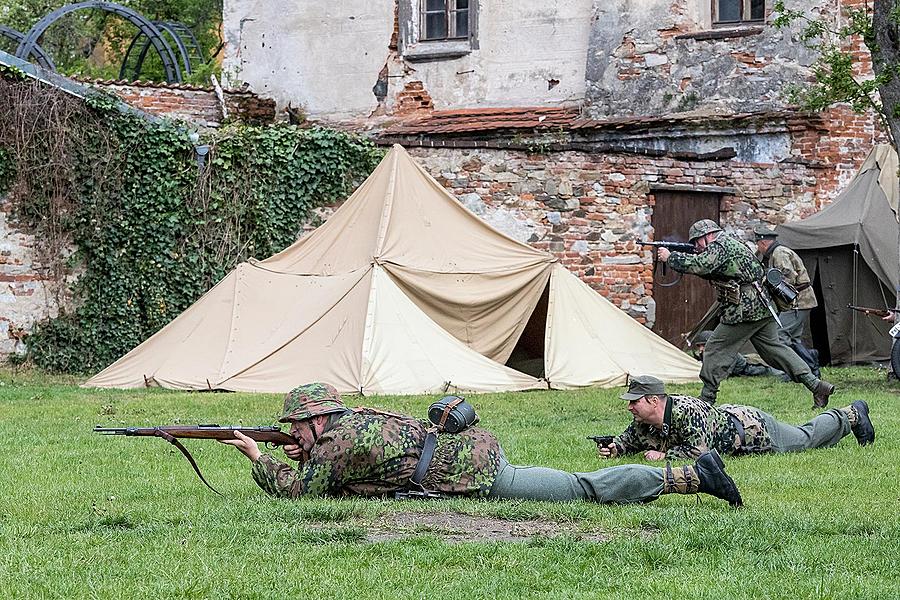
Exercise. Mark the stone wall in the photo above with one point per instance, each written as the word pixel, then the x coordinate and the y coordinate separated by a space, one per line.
pixel 27 292
pixel 651 57
pixel 592 209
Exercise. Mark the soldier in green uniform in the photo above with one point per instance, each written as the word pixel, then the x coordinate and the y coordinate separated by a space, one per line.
pixel 743 366
pixel 366 452
pixel 746 310
pixel 683 427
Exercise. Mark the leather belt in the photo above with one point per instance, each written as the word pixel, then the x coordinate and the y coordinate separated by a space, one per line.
pixel 424 460
pixel 739 427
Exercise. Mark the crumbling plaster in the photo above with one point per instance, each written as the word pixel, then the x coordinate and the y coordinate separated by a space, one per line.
pixel 327 56
pixel 642 60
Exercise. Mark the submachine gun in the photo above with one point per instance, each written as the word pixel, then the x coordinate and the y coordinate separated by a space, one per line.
pixel 686 247
pixel 267 434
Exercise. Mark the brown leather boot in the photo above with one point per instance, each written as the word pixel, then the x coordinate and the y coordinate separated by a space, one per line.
pixel 821 393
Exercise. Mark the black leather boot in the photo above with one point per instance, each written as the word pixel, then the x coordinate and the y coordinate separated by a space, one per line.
pixel 863 430
pixel 714 480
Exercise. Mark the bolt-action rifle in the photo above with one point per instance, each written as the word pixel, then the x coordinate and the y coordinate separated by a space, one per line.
pixel 674 247
pixel 271 435
pixel 878 312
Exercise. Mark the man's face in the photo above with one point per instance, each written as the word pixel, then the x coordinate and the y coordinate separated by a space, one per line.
pixel 308 431
pixel 645 409
pixel 701 242
pixel 698 351
pixel 762 244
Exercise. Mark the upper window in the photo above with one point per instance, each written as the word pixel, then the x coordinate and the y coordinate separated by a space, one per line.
pixel 735 12
pixel 437 29
pixel 444 19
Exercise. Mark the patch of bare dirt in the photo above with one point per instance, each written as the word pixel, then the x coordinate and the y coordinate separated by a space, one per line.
pixel 458 528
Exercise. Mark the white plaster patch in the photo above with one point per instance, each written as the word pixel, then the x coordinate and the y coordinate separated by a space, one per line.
pixel 655 60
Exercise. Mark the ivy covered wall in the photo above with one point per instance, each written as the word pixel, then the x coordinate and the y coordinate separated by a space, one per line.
pixel 123 203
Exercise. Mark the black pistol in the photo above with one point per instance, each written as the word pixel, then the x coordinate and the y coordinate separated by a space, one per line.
pixel 602 441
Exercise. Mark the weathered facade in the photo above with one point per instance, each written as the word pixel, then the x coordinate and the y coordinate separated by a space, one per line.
pixel 582 127
pixel 610 122
pixel 353 60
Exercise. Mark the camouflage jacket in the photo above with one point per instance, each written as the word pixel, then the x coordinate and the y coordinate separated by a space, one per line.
pixel 692 426
pixel 791 265
pixel 726 260
pixel 372 453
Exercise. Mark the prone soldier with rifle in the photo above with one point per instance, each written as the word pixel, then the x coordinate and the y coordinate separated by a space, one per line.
pixel 368 452
pixel 747 311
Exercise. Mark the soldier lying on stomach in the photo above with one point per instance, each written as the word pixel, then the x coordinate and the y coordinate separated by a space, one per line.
pixel 367 452
pixel 684 427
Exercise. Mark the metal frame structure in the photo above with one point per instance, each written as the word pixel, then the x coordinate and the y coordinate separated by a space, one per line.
pixel 146 27
pixel 37 53
pixel 185 42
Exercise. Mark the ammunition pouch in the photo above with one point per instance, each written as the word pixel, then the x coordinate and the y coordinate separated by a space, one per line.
pixel 728 293
pixel 782 293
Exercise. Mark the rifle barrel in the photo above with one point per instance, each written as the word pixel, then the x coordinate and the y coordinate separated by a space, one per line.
pixel 269 434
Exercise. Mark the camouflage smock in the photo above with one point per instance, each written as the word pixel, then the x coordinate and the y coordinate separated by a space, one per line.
pixel 371 453
pixel 727 259
pixel 692 426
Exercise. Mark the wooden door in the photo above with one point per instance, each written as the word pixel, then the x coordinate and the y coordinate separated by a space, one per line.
pixel 680 306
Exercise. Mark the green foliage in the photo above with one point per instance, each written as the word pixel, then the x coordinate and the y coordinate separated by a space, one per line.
pixel 93 43
pixel 835 80
pixel 152 231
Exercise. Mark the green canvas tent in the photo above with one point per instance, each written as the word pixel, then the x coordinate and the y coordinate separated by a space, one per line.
pixel 850 249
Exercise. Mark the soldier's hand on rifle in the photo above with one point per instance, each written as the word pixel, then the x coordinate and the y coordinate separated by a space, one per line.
pixel 246 445
pixel 296 452
pixel 663 254
pixel 654 455
pixel 890 317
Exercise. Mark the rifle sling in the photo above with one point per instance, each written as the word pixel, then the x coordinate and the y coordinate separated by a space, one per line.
pixel 172 440
pixel 424 461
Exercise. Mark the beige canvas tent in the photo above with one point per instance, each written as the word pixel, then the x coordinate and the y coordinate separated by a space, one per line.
pixel 401 291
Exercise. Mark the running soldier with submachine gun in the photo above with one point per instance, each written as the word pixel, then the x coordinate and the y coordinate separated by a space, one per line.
pixel 747 313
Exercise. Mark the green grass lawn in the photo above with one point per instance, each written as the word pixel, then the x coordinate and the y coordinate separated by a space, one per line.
pixel 110 517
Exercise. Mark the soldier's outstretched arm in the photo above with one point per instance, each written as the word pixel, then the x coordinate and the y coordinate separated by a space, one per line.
pixel 708 261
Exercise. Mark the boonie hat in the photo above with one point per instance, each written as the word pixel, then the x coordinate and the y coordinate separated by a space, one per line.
pixel 643 385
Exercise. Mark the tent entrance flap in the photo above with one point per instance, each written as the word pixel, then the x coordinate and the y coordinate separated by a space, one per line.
pixel 528 353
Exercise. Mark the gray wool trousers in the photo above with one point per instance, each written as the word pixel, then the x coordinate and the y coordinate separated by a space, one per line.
pixel 824 430
pixel 619 485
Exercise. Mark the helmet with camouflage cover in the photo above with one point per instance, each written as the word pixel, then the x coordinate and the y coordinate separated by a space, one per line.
pixel 311 400
pixel 702 227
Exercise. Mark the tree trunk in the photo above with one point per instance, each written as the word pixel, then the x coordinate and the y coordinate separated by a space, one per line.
pixel 885 58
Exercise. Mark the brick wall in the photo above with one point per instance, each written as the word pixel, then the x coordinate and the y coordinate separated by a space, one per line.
pixel 193 104
pixel 27 293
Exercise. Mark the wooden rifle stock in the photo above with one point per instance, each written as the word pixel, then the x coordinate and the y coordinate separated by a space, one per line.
pixel 880 312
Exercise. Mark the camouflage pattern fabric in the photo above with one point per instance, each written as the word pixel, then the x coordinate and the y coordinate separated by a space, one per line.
pixel 692 426
pixel 724 260
pixel 309 400
pixel 791 265
pixel 370 453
